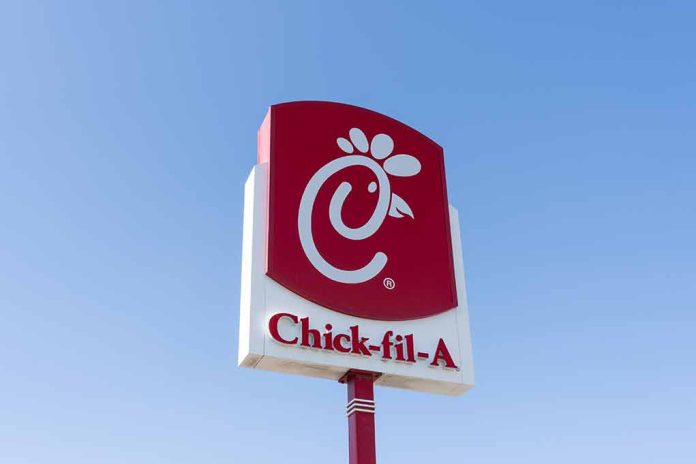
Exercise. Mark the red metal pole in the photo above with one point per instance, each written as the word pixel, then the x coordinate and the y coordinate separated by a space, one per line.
pixel 361 416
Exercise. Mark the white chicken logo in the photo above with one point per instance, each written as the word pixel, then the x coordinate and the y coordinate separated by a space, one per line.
pixel 388 203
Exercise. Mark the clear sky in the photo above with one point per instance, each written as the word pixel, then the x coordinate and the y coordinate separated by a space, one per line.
pixel 127 130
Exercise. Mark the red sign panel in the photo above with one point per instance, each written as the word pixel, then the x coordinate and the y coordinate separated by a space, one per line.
pixel 358 212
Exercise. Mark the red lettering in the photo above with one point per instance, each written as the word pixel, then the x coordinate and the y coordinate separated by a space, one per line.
pixel 358 342
pixel 328 338
pixel 340 347
pixel 307 333
pixel 443 354
pixel 399 348
pixel 410 348
pixel 387 344
pixel 273 328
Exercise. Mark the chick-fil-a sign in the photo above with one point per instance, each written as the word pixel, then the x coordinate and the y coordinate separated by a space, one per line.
pixel 351 255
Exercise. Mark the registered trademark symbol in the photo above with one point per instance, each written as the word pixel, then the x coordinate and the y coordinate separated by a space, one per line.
pixel 389 283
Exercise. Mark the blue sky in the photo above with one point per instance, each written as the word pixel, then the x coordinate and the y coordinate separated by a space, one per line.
pixel 127 130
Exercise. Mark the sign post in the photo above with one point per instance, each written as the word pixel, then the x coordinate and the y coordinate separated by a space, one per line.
pixel 351 259
pixel 361 416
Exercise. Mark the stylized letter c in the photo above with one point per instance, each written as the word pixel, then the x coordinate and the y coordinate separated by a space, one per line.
pixel 304 220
